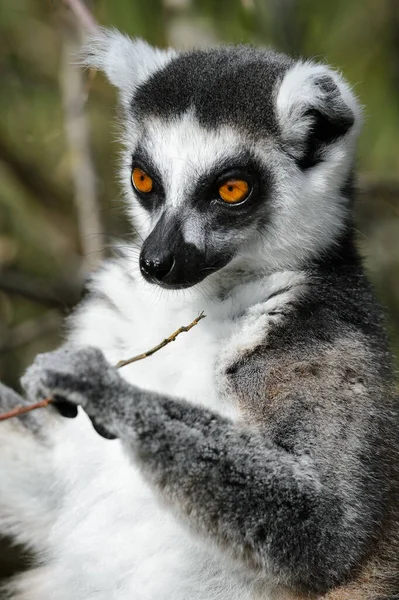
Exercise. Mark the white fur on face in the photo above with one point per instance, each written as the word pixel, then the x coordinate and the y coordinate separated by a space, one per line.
pixel 307 211
pixel 183 151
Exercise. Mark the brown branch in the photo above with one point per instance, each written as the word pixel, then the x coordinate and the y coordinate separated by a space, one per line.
pixel 21 410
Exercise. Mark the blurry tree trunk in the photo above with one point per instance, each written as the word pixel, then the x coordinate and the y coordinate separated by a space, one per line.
pixel 393 19
pixel 82 14
pixel 182 30
pixel 78 138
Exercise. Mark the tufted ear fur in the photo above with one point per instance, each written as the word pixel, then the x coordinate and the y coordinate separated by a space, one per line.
pixel 126 62
pixel 315 109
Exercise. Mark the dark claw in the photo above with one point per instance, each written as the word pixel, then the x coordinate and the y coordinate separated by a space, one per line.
pixel 65 408
pixel 102 431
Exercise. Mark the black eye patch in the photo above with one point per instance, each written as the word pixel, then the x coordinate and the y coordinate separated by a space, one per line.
pixel 206 197
pixel 242 168
pixel 156 198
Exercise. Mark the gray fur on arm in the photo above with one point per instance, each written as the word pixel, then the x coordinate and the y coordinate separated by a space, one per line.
pixel 262 504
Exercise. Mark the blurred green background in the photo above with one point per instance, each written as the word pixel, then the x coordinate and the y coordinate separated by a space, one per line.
pixel 59 199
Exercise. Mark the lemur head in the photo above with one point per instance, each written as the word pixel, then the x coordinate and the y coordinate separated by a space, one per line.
pixel 234 156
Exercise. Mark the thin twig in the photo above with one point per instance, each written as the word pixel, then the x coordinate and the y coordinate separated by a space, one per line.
pixel 165 342
pixel 21 410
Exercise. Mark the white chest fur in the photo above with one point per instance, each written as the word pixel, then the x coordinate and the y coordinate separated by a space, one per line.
pixel 115 539
pixel 134 318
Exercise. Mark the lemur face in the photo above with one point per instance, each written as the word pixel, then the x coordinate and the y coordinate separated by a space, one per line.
pixel 232 155
pixel 204 192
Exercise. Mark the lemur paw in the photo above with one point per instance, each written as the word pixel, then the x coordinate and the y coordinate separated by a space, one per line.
pixel 74 376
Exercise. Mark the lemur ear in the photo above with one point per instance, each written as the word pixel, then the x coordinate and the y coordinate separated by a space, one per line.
pixel 126 62
pixel 315 108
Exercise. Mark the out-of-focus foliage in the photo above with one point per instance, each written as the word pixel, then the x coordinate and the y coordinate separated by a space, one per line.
pixel 41 244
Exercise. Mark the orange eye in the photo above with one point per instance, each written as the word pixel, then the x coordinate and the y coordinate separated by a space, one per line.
pixel 234 190
pixel 141 181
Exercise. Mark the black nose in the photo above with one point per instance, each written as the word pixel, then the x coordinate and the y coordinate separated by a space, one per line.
pixel 155 268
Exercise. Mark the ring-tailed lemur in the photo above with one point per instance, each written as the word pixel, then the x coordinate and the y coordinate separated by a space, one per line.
pixel 256 456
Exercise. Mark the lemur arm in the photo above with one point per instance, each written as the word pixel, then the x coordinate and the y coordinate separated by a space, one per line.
pixel 298 510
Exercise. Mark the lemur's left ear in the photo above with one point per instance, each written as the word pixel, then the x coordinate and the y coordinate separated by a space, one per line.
pixel 315 108
pixel 126 62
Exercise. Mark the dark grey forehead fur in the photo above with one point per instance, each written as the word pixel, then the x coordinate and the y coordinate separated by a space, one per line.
pixel 232 85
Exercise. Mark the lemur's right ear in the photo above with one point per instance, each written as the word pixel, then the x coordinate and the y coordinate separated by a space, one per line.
pixel 316 108
pixel 126 62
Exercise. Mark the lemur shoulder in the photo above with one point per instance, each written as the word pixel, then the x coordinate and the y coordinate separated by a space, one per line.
pixel 256 457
